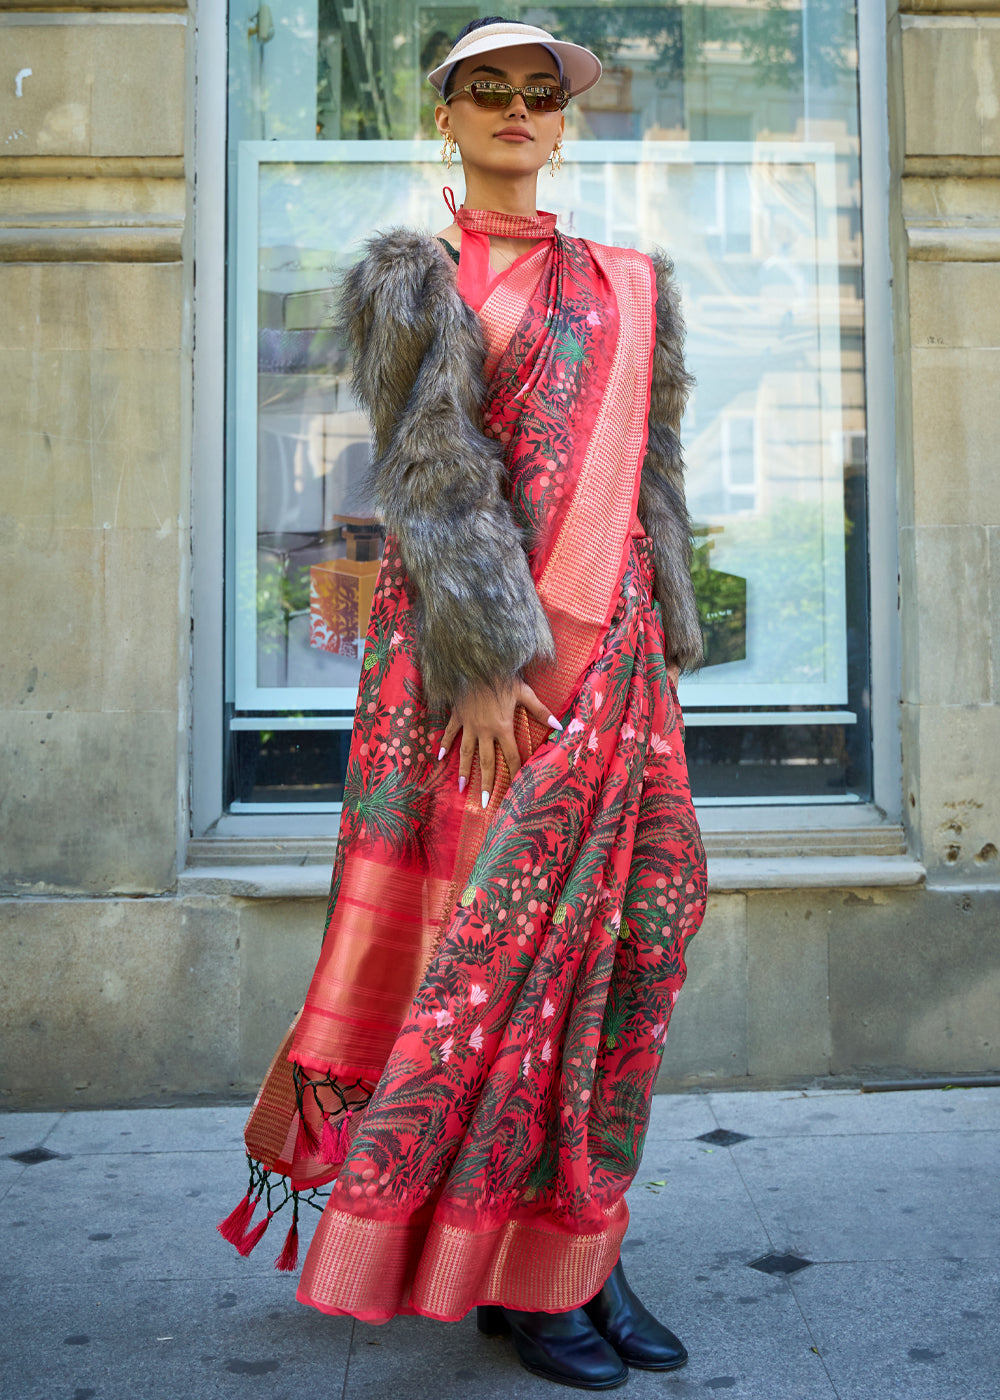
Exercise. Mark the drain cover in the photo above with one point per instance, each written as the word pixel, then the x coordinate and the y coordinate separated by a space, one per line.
pixel 723 1137
pixel 779 1264
pixel 31 1155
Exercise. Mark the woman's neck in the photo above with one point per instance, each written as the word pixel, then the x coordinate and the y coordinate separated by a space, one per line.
pixel 504 194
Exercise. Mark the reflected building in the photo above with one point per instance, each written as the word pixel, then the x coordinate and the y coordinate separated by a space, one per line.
pixel 724 133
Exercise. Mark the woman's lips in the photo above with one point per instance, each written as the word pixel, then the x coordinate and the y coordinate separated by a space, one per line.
pixel 513 135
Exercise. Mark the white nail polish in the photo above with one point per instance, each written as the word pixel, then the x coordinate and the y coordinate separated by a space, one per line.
pixel 554 723
pixel 441 752
pixel 486 799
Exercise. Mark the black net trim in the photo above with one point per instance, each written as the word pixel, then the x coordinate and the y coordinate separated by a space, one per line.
pixel 274 1190
pixel 338 1097
pixel 332 1097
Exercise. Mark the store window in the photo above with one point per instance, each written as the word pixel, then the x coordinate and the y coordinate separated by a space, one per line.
pixel 725 132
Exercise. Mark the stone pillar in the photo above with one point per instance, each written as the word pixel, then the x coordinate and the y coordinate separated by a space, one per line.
pixel 94 527
pixel 944 78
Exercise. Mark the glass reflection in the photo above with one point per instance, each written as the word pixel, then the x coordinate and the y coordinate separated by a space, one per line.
pixel 776 433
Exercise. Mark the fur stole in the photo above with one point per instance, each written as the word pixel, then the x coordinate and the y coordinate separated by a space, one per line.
pixel 661 508
pixel 437 481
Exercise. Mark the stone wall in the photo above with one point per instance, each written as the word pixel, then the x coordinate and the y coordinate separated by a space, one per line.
pixel 144 1000
pixel 94 382
pixel 122 979
pixel 944 74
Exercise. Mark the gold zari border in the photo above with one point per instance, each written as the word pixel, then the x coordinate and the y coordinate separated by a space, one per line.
pixel 374 1269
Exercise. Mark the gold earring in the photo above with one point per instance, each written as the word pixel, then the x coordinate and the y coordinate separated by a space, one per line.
pixel 448 150
pixel 556 159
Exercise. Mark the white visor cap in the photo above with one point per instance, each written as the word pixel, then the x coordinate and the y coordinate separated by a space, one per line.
pixel 580 69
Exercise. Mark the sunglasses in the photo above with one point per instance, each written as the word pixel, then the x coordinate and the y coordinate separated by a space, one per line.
pixel 538 97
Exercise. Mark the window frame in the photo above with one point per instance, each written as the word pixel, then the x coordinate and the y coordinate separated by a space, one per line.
pixel 205 776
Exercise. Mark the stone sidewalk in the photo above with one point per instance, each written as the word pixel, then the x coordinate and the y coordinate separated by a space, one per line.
pixel 117 1287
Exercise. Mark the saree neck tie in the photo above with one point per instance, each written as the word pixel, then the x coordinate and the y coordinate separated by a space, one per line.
pixel 478 225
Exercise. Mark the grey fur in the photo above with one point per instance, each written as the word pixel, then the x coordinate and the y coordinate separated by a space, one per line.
pixel 662 509
pixel 438 481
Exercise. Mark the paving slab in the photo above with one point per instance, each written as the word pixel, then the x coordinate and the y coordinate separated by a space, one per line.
pixel 10 1172
pixel 150 1130
pixel 135 1215
pixel 118 1287
pixel 906 1331
pixel 828 1112
pixel 690 1199
pixel 743 1329
pixel 891 1196
pixel 746 1338
pixel 425 1360
pixel 680 1117
pixel 22 1130
pixel 177 1340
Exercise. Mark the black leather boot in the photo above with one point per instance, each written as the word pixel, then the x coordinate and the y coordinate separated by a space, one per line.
pixel 562 1347
pixel 634 1332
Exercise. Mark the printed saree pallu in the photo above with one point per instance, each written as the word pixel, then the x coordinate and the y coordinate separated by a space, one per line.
pixel 473 1065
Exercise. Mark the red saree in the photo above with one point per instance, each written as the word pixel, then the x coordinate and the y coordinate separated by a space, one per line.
pixel 494 987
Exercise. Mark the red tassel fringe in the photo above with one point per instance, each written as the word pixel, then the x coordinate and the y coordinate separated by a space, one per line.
pixel 251 1241
pixel 334 1142
pixel 288 1259
pixel 235 1225
pixel 306 1141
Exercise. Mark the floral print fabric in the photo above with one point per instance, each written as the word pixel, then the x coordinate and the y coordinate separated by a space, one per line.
pixel 516 1086
pixel 519 1085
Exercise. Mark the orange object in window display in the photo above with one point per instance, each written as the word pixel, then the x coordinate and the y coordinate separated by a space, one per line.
pixel 340 601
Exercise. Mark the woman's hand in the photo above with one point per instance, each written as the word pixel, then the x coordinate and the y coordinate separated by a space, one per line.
pixel 486 718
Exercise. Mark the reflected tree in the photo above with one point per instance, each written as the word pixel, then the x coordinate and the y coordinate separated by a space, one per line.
pixel 775 39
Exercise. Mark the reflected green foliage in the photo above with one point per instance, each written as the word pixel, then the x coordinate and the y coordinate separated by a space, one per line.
pixel 787 611
pixel 722 609
pixel 773 39
pixel 770 34
pixel 678 39
pixel 607 28
pixel 745 242
pixel 282 589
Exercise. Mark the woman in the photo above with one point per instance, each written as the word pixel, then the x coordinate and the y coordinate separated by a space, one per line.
pixel 519 866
